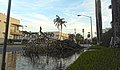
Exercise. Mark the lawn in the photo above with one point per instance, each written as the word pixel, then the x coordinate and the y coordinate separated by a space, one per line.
pixel 101 58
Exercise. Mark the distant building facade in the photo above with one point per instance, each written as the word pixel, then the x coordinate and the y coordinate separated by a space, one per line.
pixel 57 35
pixel 14 32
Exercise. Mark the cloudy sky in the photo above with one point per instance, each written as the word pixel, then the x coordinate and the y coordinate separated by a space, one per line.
pixel 36 13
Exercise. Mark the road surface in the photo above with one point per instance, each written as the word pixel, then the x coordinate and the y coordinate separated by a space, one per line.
pixel 11 48
pixel 85 45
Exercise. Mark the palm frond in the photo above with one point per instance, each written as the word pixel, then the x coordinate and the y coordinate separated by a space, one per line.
pixel 57 16
pixel 64 22
pixel 54 21
pixel 58 25
pixel 63 18
pixel 64 25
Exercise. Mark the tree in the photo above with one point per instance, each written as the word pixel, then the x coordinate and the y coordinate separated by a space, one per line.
pixel 59 22
pixel 107 37
pixel 94 40
pixel 78 38
pixel 71 37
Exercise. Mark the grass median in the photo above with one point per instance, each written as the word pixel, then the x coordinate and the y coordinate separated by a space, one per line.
pixel 99 58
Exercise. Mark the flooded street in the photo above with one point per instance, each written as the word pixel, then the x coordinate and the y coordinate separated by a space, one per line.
pixel 16 61
pixel 44 63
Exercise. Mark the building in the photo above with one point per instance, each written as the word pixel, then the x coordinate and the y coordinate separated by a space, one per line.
pixel 14 32
pixel 28 35
pixel 64 36
pixel 57 35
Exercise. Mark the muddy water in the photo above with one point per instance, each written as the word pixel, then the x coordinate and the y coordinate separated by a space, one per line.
pixel 15 61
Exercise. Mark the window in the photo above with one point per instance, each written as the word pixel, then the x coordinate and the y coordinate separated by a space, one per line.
pixel 17 28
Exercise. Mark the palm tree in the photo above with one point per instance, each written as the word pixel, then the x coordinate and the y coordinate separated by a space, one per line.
pixel 59 22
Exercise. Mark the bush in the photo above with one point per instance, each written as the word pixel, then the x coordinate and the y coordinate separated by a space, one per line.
pixel 106 38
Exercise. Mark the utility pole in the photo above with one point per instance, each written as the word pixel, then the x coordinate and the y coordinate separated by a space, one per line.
pixel 75 31
pixel 6 37
pixel 83 33
pixel 90 24
pixel 91 30
pixel 98 21
pixel 83 36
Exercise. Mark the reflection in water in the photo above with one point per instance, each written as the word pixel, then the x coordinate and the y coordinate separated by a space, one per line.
pixel 16 61
pixel 44 63
pixel 11 61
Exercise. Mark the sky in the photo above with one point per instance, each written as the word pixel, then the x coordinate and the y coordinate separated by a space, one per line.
pixel 36 13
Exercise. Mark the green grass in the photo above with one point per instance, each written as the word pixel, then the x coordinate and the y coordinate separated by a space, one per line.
pixel 101 59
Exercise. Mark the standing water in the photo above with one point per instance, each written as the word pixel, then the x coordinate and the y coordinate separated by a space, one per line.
pixel 44 62
pixel 16 61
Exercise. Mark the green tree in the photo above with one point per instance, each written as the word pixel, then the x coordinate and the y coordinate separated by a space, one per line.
pixel 59 22
pixel 107 37
pixel 71 37
pixel 78 38
pixel 94 40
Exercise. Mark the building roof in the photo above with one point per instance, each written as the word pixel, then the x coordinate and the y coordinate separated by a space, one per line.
pixel 17 25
